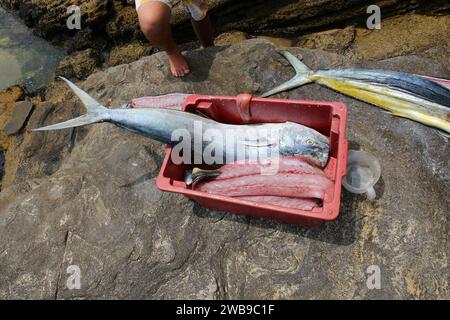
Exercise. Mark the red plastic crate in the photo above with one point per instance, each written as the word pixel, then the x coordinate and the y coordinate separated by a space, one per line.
pixel 329 118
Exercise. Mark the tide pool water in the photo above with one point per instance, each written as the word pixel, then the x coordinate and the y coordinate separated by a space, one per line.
pixel 24 58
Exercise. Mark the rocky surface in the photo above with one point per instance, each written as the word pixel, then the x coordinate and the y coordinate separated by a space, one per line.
pixel 112 24
pixel 79 65
pixel 87 197
pixel 118 17
pixel 128 53
pixel 412 33
pixel 8 99
pixel 18 118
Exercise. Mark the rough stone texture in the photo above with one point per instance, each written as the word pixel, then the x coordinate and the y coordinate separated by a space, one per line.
pixel 400 37
pixel 86 38
pixel 114 23
pixel 50 16
pixel 291 17
pixel 79 64
pixel 229 38
pixel 124 24
pixel 334 40
pixel 282 42
pixel 8 99
pixel 22 110
pixel 411 33
pixel 2 163
pixel 100 209
pixel 117 19
pixel 128 53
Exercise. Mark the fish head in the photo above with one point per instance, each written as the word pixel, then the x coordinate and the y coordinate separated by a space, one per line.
pixel 305 142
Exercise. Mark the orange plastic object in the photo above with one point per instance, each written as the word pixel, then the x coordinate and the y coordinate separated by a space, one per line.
pixel 329 118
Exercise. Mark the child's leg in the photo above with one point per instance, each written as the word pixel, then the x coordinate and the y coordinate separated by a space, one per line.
pixel 201 23
pixel 204 31
pixel 154 19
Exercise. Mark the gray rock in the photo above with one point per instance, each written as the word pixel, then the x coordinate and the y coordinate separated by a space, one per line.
pixel 102 212
pixel 19 116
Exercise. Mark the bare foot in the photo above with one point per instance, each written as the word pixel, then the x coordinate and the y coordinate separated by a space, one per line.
pixel 178 64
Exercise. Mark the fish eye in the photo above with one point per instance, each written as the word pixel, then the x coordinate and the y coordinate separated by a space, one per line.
pixel 310 142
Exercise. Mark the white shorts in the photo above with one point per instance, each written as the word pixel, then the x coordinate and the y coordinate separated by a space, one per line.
pixel 196 8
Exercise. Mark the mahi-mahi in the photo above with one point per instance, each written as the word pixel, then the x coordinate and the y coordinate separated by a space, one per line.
pixel 405 95
pixel 248 142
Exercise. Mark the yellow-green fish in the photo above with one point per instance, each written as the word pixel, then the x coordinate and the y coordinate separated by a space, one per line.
pixel 403 94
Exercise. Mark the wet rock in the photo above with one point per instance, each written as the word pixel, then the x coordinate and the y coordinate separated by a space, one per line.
pixel 50 17
pixel 84 39
pixel 79 64
pixel 19 116
pixel 97 206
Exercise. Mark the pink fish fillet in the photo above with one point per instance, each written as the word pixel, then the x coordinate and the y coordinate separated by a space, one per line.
pixel 279 185
pixel 284 165
pixel 296 203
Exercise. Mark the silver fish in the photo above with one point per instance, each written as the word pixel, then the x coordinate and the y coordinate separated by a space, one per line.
pixel 403 94
pixel 252 142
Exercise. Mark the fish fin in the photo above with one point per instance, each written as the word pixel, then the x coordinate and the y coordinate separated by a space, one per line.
pixel 76 122
pixel 299 66
pixel 95 112
pixel 197 175
pixel 90 103
pixel 301 77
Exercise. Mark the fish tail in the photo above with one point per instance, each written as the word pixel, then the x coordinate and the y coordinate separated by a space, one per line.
pixel 302 75
pixel 95 112
pixel 299 66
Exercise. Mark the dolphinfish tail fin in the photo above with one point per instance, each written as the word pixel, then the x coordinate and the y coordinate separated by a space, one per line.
pixel 299 66
pixel 302 75
pixel 95 111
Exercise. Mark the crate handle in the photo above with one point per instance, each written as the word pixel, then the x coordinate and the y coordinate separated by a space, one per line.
pixel 243 102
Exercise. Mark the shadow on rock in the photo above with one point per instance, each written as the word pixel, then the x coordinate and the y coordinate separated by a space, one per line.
pixel 342 231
